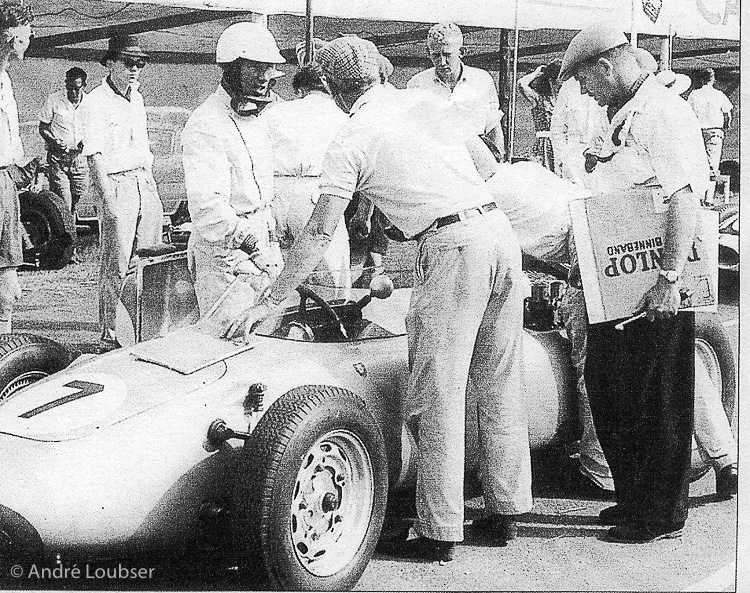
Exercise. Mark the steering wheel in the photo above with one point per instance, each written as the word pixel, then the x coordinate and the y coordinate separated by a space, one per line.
pixel 305 292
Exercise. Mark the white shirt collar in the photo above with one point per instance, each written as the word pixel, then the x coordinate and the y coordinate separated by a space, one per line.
pixel 461 77
pixel 370 94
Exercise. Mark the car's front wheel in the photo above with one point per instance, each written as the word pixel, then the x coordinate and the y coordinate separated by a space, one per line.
pixel 311 492
pixel 25 359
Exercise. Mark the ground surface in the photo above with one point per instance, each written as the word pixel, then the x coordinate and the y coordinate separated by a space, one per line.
pixel 560 545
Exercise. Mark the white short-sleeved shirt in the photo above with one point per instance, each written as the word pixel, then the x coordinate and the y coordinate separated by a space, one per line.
pixel 64 118
pixel 11 149
pixel 406 151
pixel 661 145
pixel 116 128
pixel 228 169
pixel 301 131
pixel 710 105
pixel 577 120
pixel 474 96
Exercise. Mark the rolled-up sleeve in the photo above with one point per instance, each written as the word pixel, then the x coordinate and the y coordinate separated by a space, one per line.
pixel 342 167
pixel 95 127
pixel 45 115
pixel 208 184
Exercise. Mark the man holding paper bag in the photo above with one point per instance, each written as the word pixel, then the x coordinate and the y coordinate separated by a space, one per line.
pixel 640 379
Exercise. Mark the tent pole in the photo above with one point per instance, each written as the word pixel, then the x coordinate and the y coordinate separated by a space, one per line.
pixel 513 98
pixel 666 50
pixel 504 81
pixel 633 29
pixel 308 33
pixel 507 71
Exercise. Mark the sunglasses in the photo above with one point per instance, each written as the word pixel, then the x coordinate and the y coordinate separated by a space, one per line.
pixel 137 62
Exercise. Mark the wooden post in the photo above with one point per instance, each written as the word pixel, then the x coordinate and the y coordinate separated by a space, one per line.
pixel 308 33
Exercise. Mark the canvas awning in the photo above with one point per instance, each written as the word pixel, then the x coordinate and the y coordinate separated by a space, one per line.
pixel 711 19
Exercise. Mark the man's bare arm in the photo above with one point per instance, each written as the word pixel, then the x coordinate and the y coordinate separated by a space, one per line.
pixel 483 160
pixel 309 247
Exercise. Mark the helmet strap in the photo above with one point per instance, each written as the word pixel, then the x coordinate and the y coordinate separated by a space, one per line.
pixel 242 104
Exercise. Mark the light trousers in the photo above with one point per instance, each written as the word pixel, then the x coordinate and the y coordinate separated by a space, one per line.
pixel 68 178
pixel 713 139
pixel 131 221
pixel 465 328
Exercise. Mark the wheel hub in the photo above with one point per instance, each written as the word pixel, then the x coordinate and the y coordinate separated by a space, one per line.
pixel 332 502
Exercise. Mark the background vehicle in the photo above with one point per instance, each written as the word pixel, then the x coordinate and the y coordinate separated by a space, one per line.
pixel 51 229
pixel 124 453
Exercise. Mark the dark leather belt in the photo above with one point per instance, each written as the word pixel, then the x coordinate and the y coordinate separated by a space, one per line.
pixel 464 214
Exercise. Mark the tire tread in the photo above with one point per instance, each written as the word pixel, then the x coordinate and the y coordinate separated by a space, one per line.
pixel 259 467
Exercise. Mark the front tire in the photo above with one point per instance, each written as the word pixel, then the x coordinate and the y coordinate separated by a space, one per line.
pixel 27 358
pixel 310 498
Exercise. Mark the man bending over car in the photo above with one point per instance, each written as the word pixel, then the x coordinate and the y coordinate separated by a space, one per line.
pixel 408 153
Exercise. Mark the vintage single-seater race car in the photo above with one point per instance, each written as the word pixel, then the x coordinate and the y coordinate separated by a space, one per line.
pixel 293 440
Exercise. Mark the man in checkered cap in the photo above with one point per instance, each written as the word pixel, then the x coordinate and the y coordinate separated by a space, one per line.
pixel 471 91
pixel 409 153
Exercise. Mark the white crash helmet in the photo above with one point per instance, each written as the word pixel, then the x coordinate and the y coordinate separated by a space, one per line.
pixel 251 41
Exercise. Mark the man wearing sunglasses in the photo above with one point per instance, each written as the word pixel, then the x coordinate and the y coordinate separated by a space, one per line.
pixel 116 144
pixel 15 35
pixel 228 162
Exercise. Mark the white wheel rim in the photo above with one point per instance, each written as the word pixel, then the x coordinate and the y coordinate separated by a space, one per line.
pixel 19 383
pixel 332 503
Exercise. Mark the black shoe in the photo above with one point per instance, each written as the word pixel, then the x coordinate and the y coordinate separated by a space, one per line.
pixel 419 548
pixel 612 516
pixel 726 481
pixel 502 528
pixel 644 534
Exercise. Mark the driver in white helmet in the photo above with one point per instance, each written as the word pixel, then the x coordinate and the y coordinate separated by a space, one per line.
pixel 228 163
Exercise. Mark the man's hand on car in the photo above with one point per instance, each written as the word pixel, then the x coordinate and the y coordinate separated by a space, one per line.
pixel 252 319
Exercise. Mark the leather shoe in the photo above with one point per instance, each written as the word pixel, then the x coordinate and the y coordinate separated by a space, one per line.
pixel 419 548
pixel 644 534
pixel 502 528
pixel 614 515
pixel 726 481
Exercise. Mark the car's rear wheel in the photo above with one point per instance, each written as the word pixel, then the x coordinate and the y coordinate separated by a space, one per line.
pixel 311 493
pixel 713 350
pixel 27 358
pixel 49 228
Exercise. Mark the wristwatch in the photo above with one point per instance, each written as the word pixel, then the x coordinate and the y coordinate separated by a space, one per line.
pixel 671 276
